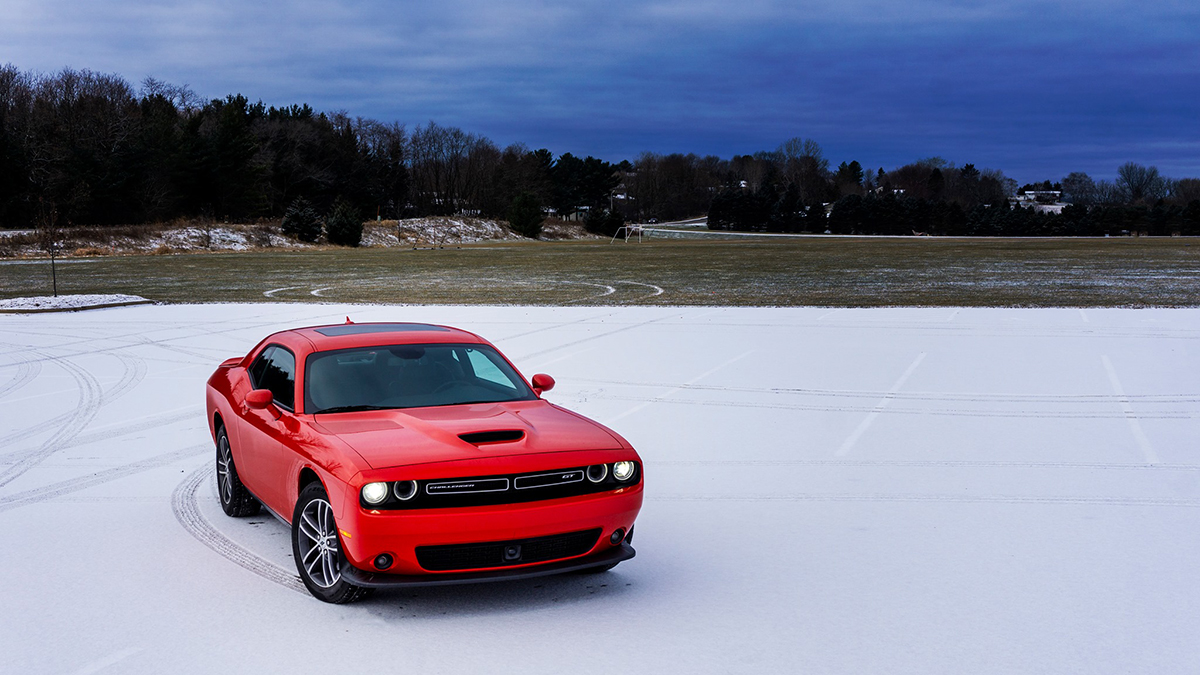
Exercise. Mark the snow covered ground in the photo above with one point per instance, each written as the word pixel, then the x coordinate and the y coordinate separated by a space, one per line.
pixel 828 491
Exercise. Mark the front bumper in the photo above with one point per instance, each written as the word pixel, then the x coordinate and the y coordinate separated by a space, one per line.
pixel 367 534
pixel 609 557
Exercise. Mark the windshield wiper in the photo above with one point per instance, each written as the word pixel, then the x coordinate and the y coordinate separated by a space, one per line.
pixel 353 408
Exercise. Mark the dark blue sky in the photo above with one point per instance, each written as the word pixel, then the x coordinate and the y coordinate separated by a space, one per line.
pixel 1037 89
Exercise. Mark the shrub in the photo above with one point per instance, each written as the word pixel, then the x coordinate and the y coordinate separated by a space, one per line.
pixel 344 227
pixel 301 221
pixel 525 215
pixel 603 222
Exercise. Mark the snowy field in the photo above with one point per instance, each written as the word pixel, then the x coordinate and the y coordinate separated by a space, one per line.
pixel 828 491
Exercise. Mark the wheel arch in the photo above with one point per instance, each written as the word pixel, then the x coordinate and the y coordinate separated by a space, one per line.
pixel 307 477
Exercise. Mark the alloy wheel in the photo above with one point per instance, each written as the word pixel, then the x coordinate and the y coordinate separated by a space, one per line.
pixel 319 543
pixel 225 470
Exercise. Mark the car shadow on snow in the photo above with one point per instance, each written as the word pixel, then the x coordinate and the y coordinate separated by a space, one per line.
pixel 502 597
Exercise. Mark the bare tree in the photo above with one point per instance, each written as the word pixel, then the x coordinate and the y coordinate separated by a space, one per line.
pixel 1141 183
pixel 48 236
pixel 805 166
pixel 1186 191
pixel 1079 188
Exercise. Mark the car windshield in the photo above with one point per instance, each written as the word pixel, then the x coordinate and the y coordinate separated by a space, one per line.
pixel 409 376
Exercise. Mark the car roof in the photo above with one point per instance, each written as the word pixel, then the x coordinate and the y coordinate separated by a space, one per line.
pixel 350 335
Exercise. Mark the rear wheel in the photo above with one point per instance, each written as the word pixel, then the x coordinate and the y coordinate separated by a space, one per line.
pixel 236 500
pixel 317 548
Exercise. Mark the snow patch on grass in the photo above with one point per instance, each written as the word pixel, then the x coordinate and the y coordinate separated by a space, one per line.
pixel 64 302
pixel 435 231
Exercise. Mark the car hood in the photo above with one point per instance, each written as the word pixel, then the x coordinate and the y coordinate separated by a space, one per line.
pixel 389 438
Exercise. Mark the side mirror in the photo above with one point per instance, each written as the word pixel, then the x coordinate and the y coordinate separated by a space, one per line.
pixel 542 383
pixel 259 399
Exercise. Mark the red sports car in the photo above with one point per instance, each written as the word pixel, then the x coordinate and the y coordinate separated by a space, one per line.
pixel 406 454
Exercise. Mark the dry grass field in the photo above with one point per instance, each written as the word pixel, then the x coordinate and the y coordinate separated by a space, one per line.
pixel 816 271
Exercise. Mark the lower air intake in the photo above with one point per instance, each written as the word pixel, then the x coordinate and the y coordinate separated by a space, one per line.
pixel 501 553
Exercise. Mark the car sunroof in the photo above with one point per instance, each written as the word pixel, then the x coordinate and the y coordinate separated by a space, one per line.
pixel 363 328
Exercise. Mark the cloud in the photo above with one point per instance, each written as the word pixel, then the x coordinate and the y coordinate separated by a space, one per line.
pixel 1035 88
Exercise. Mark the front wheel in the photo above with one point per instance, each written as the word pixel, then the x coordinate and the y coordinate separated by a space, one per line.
pixel 236 500
pixel 317 548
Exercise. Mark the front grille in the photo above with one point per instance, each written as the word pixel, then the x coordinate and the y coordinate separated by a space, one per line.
pixel 492 553
pixel 548 479
pixel 504 489
pixel 466 487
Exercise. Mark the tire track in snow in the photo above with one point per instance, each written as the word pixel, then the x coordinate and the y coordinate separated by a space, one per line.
pixel 916 395
pixel 915 498
pixel 65 487
pixel 132 375
pixel 89 404
pixel 952 412
pixel 120 431
pixel 924 463
pixel 665 395
pixel 27 370
pixel 139 339
pixel 187 512
pixel 556 326
pixel 597 336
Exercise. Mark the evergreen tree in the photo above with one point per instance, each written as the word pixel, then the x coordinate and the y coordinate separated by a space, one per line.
pixel 849 215
pixel 525 215
pixel 1191 219
pixel 603 222
pixel 344 227
pixel 301 221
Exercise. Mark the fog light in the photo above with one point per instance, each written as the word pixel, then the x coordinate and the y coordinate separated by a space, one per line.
pixel 406 490
pixel 617 536
pixel 623 470
pixel 597 472
pixel 374 493
pixel 383 561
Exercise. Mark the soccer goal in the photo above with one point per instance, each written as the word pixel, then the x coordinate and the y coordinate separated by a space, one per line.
pixel 630 231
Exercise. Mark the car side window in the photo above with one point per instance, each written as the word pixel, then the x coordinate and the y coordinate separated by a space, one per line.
pixel 275 370
pixel 260 364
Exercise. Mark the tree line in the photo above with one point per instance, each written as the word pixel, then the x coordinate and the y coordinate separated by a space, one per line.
pixel 933 196
pixel 79 147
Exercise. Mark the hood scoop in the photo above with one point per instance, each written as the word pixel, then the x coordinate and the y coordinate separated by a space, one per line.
pixel 482 437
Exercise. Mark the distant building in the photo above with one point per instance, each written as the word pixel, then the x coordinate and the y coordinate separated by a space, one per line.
pixel 1042 201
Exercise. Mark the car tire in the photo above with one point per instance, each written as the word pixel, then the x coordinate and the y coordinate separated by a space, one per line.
pixel 236 500
pixel 317 548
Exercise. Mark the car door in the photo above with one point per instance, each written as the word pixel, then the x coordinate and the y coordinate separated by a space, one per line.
pixel 267 456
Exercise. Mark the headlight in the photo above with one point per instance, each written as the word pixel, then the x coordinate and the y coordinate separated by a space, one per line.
pixel 623 470
pixel 406 490
pixel 375 493
pixel 597 472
